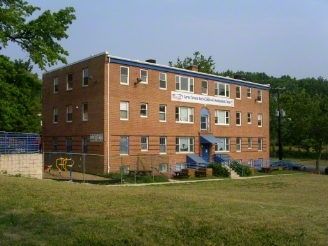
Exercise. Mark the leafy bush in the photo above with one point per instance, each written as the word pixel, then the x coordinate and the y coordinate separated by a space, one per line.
pixel 219 170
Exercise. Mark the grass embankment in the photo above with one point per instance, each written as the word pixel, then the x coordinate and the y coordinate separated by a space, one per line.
pixel 276 210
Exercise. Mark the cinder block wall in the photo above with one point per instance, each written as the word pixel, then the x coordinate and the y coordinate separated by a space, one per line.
pixel 29 165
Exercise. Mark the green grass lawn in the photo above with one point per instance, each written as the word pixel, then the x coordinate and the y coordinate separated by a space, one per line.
pixel 273 210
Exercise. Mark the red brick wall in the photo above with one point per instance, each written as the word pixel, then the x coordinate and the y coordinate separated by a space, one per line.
pixel 96 96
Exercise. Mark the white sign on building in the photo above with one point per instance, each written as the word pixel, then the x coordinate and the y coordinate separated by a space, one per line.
pixel 96 137
pixel 201 99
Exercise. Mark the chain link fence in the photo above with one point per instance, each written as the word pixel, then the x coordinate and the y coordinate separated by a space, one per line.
pixel 97 169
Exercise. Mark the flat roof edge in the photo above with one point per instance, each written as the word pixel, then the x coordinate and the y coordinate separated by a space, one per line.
pixel 81 60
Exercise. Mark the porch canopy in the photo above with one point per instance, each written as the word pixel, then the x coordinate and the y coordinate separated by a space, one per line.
pixel 195 159
pixel 208 139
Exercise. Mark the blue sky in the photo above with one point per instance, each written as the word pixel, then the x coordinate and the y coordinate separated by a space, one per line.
pixel 278 37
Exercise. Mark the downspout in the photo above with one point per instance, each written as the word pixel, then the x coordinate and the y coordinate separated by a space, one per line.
pixel 108 59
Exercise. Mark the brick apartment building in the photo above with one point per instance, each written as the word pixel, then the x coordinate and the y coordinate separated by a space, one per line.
pixel 114 106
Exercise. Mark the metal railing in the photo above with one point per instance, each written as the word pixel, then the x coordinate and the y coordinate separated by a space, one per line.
pixel 19 143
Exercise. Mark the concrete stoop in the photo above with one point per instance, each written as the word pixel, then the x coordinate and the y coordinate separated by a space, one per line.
pixel 233 174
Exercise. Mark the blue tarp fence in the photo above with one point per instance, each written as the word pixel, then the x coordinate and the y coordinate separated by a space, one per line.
pixel 19 143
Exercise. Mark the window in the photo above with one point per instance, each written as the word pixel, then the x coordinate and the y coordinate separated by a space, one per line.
pixel 124 145
pixel 223 144
pixel 69 113
pixel 249 143
pixel 143 109
pixel 69 81
pixel 84 145
pixel 144 76
pixel 55 143
pixel 259 96
pixel 238 144
pixel 55 84
pixel 125 75
pixel 184 144
pixel 240 161
pixel 260 143
pixel 222 89
pixel 249 118
pixel 222 117
pixel 204 87
pixel 250 162
pixel 238 92
pixel 249 92
pixel 163 168
pixel 162 145
pixel 162 113
pixel 204 123
pixel 162 80
pixel 184 114
pixel 259 120
pixel 84 111
pixel 144 143
pixel 238 118
pixel 184 84
pixel 124 110
pixel 68 144
pixel 55 120
pixel 85 74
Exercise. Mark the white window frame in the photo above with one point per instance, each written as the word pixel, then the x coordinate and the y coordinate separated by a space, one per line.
pixel 204 87
pixel 69 112
pixel 259 96
pixel 162 80
pixel 124 107
pixel 181 142
pixel 249 92
pixel 56 85
pixel 221 87
pixel 250 162
pixel 183 119
pixel 144 76
pixel 84 111
pixel 123 75
pixel 238 118
pixel 85 77
pixel 249 118
pixel 55 115
pixel 69 83
pixel 259 120
pixel 238 144
pixel 224 146
pixel 162 113
pixel 260 144
pixel 218 116
pixel 144 110
pixel 238 91
pixel 162 145
pixel 144 143
pixel 190 83
pixel 124 148
pixel 249 143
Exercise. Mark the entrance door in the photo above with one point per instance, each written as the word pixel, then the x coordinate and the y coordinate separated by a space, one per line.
pixel 206 152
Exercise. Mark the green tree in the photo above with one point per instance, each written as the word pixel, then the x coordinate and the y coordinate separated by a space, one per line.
pixel 20 97
pixel 205 65
pixel 37 36
pixel 309 117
